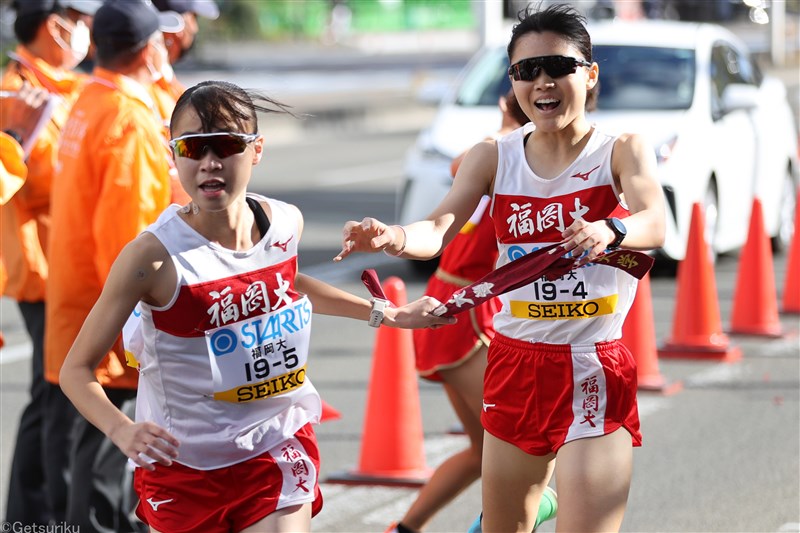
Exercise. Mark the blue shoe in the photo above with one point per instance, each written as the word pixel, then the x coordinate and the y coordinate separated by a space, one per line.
pixel 476 525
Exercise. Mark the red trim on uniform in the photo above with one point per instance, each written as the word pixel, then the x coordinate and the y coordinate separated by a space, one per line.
pixel 189 316
pixel 538 219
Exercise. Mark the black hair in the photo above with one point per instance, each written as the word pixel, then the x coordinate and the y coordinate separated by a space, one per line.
pixel 114 56
pixel 561 19
pixel 27 25
pixel 221 105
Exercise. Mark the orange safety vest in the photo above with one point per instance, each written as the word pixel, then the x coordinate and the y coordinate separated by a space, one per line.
pixel 112 182
pixel 25 213
pixel 12 176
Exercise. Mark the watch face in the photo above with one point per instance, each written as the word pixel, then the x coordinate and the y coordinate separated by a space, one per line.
pixel 618 226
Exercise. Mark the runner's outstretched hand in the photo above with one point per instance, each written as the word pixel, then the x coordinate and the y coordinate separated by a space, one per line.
pixel 417 314
pixel 370 235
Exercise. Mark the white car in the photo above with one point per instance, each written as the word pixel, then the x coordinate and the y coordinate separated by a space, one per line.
pixel 723 133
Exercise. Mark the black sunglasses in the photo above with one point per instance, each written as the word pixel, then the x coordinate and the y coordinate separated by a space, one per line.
pixel 223 144
pixel 555 66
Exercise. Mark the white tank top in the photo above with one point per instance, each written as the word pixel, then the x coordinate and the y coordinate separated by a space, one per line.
pixel 587 305
pixel 223 365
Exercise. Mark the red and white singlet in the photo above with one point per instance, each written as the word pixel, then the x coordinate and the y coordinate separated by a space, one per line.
pixel 587 305
pixel 223 365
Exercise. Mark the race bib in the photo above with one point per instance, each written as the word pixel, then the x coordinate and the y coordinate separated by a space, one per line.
pixel 261 357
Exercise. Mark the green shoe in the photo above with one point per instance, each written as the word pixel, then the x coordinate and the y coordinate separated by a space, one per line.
pixel 548 507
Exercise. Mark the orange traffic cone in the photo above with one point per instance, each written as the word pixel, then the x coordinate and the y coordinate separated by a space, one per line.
pixel 639 335
pixel 791 286
pixel 392 451
pixel 329 413
pixel 755 301
pixel 697 327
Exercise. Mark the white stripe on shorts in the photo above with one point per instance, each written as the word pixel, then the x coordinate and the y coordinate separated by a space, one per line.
pixel 299 473
pixel 588 394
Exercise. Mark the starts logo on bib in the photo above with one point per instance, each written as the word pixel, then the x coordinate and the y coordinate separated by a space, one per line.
pixel 261 357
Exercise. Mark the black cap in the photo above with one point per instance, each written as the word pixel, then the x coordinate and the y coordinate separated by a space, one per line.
pixel 29 7
pixel 131 22
pixel 205 8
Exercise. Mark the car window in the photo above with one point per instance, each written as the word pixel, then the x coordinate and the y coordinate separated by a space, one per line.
pixel 728 66
pixel 486 80
pixel 644 78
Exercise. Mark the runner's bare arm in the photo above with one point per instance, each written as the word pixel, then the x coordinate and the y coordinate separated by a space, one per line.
pixel 633 165
pixel 427 238
pixel 136 274
pixel 329 300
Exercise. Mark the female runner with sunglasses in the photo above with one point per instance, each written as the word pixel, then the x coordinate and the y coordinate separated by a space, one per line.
pixel 222 439
pixel 558 381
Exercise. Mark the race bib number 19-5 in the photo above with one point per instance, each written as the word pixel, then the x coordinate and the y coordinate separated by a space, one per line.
pixel 261 357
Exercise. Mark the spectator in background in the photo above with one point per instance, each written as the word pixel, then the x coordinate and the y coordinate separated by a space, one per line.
pixel 176 44
pixel 21 114
pixel 112 181
pixel 53 37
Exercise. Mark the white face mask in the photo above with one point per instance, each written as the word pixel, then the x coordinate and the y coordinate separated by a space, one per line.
pixel 79 39
pixel 166 69
pixel 160 69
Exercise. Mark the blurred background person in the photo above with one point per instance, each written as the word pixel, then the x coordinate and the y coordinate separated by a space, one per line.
pixel 178 43
pixel 175 45
pixel 53 37
pixel 112 182
pixel 22 113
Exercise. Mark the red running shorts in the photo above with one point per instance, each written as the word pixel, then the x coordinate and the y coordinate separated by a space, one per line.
pixel 540 396
pixel 181 499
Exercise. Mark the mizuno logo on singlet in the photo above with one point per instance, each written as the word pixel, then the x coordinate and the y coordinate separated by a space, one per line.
pixel 154 504
pixel 282 245
pixel 584 175
pixel 486 406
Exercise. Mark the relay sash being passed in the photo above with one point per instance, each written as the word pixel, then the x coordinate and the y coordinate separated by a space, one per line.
pixel 545 262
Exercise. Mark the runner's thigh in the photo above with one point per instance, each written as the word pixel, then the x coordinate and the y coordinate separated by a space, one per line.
pixel 513 482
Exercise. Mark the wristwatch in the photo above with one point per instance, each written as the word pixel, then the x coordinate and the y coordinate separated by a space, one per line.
pixel 376 314
pixel 619 230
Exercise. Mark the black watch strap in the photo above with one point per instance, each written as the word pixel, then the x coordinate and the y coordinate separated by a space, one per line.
pixel 619 230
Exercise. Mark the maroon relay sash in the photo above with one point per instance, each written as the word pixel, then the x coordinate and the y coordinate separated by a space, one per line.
pixel 546 262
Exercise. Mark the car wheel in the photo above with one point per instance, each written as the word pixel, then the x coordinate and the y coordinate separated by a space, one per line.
pixel 711 216
pixel 783 238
